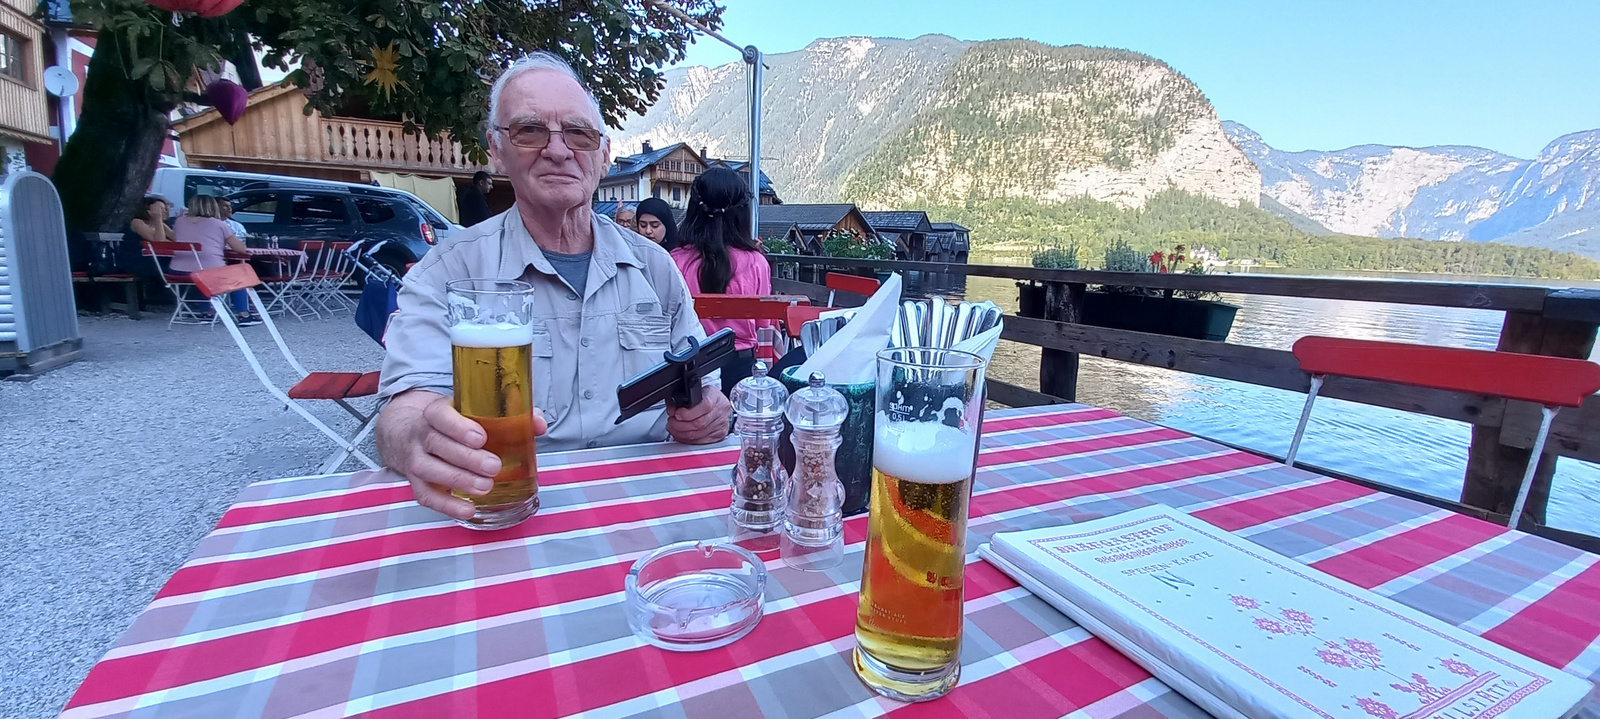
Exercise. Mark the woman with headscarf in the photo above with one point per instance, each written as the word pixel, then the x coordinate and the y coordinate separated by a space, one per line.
pixel 653 219
pixel 717 255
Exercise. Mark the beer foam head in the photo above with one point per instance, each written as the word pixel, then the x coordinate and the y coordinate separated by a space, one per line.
pixel 503 334
pixel 928 452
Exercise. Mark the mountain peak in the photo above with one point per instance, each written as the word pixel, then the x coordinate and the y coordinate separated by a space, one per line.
pixel 888 121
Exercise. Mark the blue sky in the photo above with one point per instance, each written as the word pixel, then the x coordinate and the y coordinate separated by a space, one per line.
pixel 1306 74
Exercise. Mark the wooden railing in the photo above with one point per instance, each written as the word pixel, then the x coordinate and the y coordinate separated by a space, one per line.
pixel 1538 320
pixel 378 144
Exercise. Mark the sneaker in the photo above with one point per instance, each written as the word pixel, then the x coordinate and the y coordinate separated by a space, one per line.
pixel 248 320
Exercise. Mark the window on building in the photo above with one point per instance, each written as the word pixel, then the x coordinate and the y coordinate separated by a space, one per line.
pixel 13 57
pixel 317 210
pixel 655 191
pixel 676 197
pixel 374 211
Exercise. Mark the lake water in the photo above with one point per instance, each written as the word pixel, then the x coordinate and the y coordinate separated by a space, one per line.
pixel 1422 453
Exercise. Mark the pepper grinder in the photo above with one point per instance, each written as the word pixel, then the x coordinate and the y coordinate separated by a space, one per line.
pixel 760 483
pixel 813 538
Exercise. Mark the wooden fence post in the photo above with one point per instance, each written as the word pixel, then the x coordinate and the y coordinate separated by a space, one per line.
pixel 1494 470
pixel 1058 370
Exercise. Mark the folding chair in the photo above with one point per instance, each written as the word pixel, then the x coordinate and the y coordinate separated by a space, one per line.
pixel 767 311
pixel 849 283
pixel 187 311
pixel 337 267
pixel 1551 382
pixel 334 386
pixel 300 295
pixel 278 288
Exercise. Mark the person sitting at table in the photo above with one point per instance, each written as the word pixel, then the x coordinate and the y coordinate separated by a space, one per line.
pixel 150 224
pixel 653 220
pixel 624 216
pixel 717 256
pixel 225 213
pixel 202 225
pixel 607 303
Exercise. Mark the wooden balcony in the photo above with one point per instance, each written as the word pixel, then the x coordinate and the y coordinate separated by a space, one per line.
pixel 275 135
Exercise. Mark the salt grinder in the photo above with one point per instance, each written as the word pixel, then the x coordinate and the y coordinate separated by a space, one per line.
pixel 813 536
pixel 760 483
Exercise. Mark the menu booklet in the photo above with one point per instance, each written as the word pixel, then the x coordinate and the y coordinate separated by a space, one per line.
pixel 1244 632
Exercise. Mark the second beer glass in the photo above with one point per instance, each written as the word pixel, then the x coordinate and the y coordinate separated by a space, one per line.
pixel 491 338
pixel 925 451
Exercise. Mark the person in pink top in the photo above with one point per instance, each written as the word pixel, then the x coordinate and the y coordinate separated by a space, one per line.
pixel 717 255
pixel 203 226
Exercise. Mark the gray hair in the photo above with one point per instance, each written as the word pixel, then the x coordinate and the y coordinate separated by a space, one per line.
pixel 537 60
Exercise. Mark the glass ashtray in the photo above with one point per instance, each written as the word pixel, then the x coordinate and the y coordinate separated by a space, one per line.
pixel 693 596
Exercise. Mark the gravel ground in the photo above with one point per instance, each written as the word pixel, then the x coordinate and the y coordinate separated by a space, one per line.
pixel 115 466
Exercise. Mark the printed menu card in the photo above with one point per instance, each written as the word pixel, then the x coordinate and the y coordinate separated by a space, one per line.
pixel 1245 632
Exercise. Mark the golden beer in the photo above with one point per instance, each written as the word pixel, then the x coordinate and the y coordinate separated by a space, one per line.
pixel 908 619
pixel 493 381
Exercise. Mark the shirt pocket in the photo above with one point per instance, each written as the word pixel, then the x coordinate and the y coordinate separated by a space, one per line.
pixel 543 365
pixel 643 338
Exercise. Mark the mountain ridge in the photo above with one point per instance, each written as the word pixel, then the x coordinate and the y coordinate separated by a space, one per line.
pixel 1441 192
pixel 881 122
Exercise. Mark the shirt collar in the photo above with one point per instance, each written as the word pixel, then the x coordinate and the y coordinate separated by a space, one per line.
pixel 518 251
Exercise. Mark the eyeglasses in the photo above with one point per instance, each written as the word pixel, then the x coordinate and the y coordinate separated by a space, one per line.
pixel 535 136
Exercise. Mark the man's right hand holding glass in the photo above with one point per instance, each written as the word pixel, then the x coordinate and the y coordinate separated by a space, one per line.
pixel 421 436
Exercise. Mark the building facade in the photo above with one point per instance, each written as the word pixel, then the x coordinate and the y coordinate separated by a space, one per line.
pixel 666 173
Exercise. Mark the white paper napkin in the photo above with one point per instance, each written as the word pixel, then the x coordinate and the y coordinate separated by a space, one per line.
pixel 850 356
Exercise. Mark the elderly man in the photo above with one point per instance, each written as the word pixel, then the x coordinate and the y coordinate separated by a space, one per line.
pixel 624 215
pixel 607 302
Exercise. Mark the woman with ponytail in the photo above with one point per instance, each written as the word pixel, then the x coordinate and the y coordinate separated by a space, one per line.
pixel 717 255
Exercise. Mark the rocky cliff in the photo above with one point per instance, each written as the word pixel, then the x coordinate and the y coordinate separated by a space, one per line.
pixel 888 123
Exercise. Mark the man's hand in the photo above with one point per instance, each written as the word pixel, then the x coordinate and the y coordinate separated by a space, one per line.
pixel 704 423
pixel 424 439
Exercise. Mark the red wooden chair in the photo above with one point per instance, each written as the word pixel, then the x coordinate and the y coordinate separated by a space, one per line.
pixel 849 283
pixel 767 311
pixel 187 311
pixel 1551 382
pixel 799 315
pixel 332 386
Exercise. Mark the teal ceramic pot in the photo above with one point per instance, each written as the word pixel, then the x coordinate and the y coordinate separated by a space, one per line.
pixel 854 460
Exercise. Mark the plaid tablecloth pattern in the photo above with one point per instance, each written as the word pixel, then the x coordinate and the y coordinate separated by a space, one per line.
pixel 337 595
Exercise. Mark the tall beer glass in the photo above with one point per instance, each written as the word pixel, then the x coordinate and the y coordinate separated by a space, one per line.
pixel 491 338
pixel 925 452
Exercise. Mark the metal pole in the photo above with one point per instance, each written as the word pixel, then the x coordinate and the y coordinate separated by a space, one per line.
pixel 752 57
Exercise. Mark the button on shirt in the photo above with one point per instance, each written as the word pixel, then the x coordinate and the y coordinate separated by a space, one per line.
pixel 634 307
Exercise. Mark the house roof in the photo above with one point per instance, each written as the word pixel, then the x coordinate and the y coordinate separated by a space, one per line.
pixel 739 167
pixel 948 227
pixel 777 230
pixel 635 164
pixel 256 97
pixel 809 218
pixel 899 221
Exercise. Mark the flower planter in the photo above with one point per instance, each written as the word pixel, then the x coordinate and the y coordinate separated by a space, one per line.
pixel 1174 316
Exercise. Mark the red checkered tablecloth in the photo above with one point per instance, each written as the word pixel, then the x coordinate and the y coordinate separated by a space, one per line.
pixel 338 595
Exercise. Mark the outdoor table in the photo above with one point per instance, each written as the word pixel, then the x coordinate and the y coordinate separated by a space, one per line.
pixel 335 595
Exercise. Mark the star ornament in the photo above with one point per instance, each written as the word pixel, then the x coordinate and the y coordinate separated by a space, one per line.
pixel 384 64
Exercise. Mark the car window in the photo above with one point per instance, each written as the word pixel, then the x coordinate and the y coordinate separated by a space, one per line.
pixel 212 185
pixel 255 209
pixel 317 210
pixel 374 212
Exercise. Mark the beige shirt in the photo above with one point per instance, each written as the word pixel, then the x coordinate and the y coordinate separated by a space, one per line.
pixel 636 307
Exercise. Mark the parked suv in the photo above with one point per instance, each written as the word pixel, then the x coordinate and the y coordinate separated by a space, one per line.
pixel 294 212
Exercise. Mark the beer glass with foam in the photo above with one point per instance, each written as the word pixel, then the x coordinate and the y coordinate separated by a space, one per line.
pixel 491 338
pixel 924 455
